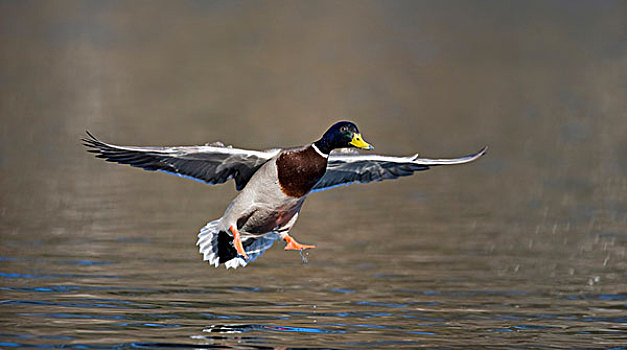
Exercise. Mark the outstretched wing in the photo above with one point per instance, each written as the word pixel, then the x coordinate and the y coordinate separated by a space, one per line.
pixel 349 168
pixel 211 164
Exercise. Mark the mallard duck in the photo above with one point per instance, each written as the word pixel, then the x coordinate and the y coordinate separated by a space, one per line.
pixel 273 184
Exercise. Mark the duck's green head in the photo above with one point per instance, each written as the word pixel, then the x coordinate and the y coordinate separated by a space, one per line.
pixel 341 135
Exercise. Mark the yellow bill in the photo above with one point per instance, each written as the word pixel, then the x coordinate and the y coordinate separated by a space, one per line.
pixel 359 142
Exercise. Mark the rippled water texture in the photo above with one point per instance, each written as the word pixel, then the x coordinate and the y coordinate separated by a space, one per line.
pixel 524 248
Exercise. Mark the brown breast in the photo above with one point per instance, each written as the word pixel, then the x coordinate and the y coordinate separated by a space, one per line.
pixel 299 170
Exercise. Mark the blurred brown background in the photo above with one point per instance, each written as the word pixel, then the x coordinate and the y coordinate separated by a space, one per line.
pixel 543 83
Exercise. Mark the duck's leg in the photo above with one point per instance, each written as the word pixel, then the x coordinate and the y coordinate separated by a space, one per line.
pixel 291 242
pixel 293 245
pixel 237 242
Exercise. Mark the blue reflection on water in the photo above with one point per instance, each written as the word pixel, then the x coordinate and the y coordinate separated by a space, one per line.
pixel 156 325
pixel 372 303
pixel 53 275
pixel 243 328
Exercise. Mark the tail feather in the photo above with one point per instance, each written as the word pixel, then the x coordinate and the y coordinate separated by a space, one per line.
pixel 217 248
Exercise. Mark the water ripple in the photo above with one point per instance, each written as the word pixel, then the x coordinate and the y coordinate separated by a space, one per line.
pixel 244 328
pixel 54 275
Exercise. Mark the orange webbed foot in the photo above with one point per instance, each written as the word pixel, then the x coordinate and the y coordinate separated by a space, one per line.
pixel 293 245
pixel 237 242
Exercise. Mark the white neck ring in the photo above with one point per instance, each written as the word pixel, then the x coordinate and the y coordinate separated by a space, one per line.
pixel 319 151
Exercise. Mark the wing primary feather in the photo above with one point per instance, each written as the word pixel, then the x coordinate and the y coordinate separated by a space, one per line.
pixel 349 168
pixel 207 164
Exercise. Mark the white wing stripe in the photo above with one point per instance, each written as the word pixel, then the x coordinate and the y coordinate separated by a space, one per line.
pixel 349 158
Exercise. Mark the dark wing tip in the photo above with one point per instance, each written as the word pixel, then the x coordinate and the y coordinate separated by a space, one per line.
pixel 477 155
pixel 90 134
pixel 90 140
pixel 482 151
pixel 96 146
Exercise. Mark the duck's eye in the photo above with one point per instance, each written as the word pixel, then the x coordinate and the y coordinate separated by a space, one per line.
pixel 343 129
